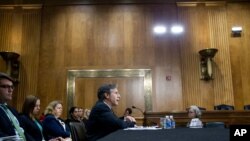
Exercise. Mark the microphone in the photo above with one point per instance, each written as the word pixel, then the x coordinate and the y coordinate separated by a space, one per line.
pixel 138 109
pixel 143 123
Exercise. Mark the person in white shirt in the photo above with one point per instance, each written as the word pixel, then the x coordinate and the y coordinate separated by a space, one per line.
pixel 194 113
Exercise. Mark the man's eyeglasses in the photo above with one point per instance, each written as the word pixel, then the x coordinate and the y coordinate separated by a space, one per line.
pixel 7 86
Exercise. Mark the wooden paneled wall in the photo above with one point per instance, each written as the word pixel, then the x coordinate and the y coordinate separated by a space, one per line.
pixel 101 37
pixel 55 39
pixel 20 30
pixel 239 53
pixel 205 28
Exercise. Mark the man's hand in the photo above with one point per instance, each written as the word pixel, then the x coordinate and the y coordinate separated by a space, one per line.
pixel 129 118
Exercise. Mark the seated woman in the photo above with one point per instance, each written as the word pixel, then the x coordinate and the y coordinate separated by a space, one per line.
pixel 194 114
pixel 32 127
pixel 52 124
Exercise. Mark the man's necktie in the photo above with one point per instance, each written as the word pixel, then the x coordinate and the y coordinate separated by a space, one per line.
pixel 14 121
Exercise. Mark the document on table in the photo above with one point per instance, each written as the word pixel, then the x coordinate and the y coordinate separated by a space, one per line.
pixel 144 128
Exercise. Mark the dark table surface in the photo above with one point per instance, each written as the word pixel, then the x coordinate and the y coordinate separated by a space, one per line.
pixel 178 134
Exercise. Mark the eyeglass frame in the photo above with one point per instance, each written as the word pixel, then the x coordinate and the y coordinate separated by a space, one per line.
pixel 7 87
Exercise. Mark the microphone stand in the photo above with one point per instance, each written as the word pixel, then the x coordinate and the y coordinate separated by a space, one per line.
pixel 141 112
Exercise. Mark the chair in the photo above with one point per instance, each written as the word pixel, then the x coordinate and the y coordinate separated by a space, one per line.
pixel 215 125
pixel 223 107
pixel 78 131
pixel 246 107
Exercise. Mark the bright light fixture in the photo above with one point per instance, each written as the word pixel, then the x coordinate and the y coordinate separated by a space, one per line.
pixel 236 29
pixel 177 29
pixel 160 29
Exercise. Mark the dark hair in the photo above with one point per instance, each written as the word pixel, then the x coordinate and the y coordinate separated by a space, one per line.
pixel 104 89
pixel 5 76
pixel 72 109
pixel 29 104
pixel 129 110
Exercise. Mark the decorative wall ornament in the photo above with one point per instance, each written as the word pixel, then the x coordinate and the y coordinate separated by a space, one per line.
pixel 12 64
pixel 206 68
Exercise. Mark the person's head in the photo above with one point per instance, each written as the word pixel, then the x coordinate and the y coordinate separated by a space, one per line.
pixel 6 88
pixel 194 112
pixel 109 93
pixel 31 106
pixel 74 112
pixel 80 112
pixel 128 112
pixel 55 108
pixel 86 113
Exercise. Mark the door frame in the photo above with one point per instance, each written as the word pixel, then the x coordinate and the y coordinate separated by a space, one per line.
pixel 95 73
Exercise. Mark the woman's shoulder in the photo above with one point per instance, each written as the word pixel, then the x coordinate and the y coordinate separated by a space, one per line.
pixel 24 117
pixel 49 117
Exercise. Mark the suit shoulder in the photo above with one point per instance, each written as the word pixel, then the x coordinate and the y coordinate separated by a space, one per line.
pixel 100 106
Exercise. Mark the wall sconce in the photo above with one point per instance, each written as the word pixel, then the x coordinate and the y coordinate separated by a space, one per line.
pixel 206 56
pixel 12 63
pixel 236 31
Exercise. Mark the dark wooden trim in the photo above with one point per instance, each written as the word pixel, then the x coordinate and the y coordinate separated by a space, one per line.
pixel 181 117
pixel 95 2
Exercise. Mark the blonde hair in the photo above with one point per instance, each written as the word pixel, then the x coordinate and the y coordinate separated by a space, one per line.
pixel 86 113
pixel 49 109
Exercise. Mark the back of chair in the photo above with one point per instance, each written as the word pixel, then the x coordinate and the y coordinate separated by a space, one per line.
pixel 78 131
pixel 215 125
pixel 246 107
pixel 223 107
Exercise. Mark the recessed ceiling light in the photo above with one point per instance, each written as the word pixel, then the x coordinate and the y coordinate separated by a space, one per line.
pixel 177 29
pixel 159 29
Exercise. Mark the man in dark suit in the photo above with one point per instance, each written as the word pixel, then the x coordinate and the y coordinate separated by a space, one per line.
pixel 9 124
pixel 102 121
